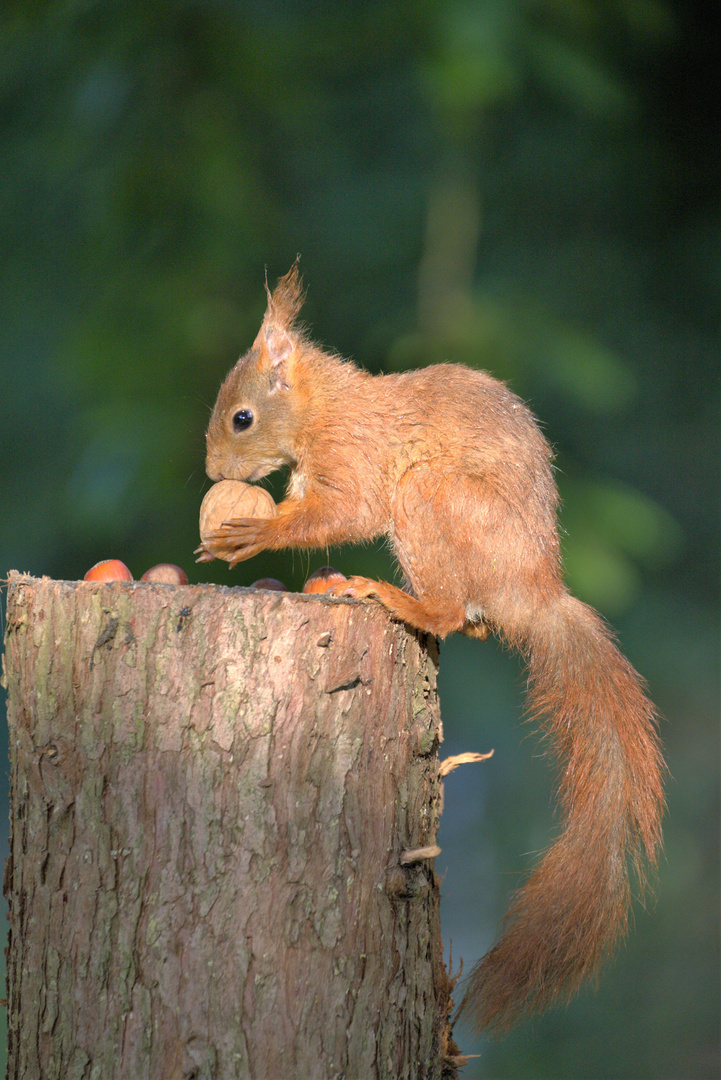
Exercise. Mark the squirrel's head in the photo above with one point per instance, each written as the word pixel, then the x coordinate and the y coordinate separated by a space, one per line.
pixel 259 414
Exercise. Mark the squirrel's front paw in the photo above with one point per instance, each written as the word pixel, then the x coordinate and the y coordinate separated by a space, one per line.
pixel 356 588
pixel 235 541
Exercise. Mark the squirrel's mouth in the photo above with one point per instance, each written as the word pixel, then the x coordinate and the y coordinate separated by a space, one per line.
pixel 251 477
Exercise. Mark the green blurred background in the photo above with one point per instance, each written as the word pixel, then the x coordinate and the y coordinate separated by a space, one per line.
pixel 529 186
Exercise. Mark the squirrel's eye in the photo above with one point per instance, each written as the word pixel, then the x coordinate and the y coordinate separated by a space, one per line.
pixel 242 420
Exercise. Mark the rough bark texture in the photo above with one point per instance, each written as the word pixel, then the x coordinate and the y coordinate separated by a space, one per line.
pixel 211 789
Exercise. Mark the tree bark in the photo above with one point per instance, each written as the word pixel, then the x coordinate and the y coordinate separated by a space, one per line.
pixel 211 790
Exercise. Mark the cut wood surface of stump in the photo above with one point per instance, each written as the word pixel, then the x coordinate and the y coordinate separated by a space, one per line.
pixel 211 790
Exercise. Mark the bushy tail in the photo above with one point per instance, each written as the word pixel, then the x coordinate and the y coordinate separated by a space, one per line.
pixel 574 907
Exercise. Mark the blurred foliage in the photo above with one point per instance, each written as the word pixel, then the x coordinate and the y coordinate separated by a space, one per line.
pixel 529 187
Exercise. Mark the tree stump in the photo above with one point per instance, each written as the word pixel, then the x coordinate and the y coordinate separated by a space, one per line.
pixel 211 790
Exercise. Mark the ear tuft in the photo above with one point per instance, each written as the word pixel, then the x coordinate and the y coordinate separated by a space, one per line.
pixel 287 298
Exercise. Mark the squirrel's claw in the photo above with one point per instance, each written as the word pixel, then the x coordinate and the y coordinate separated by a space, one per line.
pixel 203 554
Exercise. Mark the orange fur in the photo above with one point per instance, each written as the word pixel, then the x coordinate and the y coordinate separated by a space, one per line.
pixel 452 467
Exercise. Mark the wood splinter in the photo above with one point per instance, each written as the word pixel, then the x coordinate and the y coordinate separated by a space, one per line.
pixel 414 855
pixel 450 763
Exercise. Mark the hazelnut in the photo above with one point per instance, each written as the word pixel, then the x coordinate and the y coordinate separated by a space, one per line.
pixel 321 580
pixel 166 573
pixel 109 570
pixel 269 583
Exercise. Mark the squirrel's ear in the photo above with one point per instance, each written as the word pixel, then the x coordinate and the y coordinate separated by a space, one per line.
pixel 279 347
pixel 277 339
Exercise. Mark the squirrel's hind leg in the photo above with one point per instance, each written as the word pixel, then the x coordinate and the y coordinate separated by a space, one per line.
pixel 422 615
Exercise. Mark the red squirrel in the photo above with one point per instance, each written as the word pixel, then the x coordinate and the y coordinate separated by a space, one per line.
pixel 452 467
